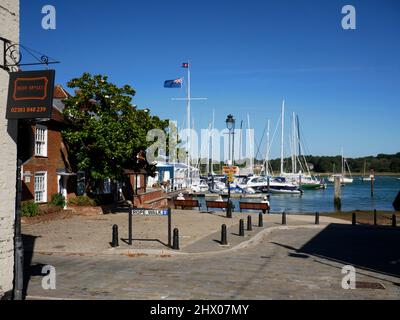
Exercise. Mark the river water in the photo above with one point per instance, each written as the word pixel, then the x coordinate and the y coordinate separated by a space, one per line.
pixel 355 196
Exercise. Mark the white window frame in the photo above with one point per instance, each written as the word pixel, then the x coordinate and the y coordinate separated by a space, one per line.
pixel 41 140
pixel 43 199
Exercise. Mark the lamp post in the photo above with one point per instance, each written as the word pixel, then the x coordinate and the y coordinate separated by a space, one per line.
pixel 230 125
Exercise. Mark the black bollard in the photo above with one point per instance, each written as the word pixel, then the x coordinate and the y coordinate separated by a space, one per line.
pixel 224 240
pixel 317 218
pixel 241 228
pixel 284 218
pixel 375 218
pixel 130 227
pixel 260 220
pixel 175 243
pixel 249 224
pixel 114 242
pixel 394 222
pixel 354 219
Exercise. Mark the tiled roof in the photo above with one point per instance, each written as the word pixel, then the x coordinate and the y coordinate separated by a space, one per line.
pixel 60 92
pixel 58 106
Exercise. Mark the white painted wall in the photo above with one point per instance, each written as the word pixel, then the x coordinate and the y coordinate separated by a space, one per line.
pixel 9 29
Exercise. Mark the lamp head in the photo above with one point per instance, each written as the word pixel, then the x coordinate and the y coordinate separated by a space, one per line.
pixel 230 122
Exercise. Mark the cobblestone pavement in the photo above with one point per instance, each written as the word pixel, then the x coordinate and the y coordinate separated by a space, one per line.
pixel 197 231
pixel 301 263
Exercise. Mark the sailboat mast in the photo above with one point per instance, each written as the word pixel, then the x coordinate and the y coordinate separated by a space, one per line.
pixel 343 168
pixel 298 134
pixel 188 123
pixel 212 143
pixel 267 154
pixel 294 145
pixel 282 133
pixel 250 145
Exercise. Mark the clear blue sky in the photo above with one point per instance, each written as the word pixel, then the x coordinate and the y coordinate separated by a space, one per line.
pixel 246 57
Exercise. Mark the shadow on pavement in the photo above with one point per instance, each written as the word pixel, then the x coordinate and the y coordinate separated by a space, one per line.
pixel 370 248
pixel 29 269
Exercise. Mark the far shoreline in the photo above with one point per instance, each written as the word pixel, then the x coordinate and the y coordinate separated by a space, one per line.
pixel 358 174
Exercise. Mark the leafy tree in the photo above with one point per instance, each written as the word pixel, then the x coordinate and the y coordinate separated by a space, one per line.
pixel 106 133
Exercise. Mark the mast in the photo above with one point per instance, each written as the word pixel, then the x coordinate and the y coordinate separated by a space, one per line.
pixel 250 146
pixel 298 134
pixel 343 168
pixel 212 142
pixel 267 154
pixel 240 140
pixel 282 134
pixel 294 145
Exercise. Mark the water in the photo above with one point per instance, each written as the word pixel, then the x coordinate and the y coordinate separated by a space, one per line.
pixel 355 196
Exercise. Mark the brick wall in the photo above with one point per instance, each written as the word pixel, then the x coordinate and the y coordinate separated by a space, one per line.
pixel 56 159
pixel 9 26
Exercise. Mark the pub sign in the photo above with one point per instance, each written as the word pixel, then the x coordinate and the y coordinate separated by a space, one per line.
pixel 30 94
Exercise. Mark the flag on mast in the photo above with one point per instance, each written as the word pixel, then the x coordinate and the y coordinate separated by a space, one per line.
pixel 177 83
pixel 185 65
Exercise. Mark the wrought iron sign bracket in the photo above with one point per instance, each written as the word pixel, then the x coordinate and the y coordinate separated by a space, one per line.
pixel 12 56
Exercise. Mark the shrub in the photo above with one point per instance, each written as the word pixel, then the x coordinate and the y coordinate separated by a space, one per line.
pixel 83 201
pixel 30 209
pixel 58 200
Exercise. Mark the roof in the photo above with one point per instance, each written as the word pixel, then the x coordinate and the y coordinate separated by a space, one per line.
pixel 60 92
pixel 58 106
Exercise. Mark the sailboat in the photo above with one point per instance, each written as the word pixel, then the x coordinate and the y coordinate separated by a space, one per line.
pixel 364 177
pixel 301 177
pixel 290 186
pixel 343 178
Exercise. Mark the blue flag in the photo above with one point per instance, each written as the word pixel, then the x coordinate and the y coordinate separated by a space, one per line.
pixel 177 83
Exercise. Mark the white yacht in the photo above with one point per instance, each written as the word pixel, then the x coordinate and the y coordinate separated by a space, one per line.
pixel 270 185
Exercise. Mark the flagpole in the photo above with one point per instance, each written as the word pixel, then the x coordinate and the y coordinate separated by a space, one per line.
pixel 188 123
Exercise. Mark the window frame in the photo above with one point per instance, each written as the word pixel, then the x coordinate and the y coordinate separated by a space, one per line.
pixel 44 198
pixel 43 143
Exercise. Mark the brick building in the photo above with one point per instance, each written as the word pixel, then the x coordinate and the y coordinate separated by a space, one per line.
pixel 45 170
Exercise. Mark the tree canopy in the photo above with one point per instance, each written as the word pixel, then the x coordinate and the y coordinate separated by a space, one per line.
pixel 106 132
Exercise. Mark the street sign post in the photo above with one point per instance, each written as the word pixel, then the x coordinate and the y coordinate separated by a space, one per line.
pixel 150 212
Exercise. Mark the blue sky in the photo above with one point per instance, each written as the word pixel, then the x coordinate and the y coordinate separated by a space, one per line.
pixel 246 57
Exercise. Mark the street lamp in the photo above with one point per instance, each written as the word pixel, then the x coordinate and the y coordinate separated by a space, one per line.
pixel 230 125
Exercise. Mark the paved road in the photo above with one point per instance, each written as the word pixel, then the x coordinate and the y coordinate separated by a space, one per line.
pixel 286 264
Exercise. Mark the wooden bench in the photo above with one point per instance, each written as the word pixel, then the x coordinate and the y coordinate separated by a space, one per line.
pixel 264 207
pixel 187 204
pixel 218 205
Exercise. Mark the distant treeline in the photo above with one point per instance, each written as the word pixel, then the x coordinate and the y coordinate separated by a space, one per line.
pixel 380 163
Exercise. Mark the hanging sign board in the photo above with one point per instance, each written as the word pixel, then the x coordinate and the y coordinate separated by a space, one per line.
pixel 30 94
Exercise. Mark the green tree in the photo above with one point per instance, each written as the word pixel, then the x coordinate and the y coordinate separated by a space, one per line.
pixel 106 133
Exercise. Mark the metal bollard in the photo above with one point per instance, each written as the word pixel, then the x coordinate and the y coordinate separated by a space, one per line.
pixel 317 218
pixel 394 221
pixel 114 242
pixel 175 242
pixel 284 218
pixel 260 220
pixel 375 218
pixel 354 219
pixel 249 224
pixel 224 240
pixel 241 228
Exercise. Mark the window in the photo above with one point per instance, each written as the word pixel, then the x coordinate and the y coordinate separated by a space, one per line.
pixel 107 186
pixel 40 187
pixel 41 141
pixel 80 183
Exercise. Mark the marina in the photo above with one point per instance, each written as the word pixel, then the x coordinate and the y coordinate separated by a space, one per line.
pixel 354 197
